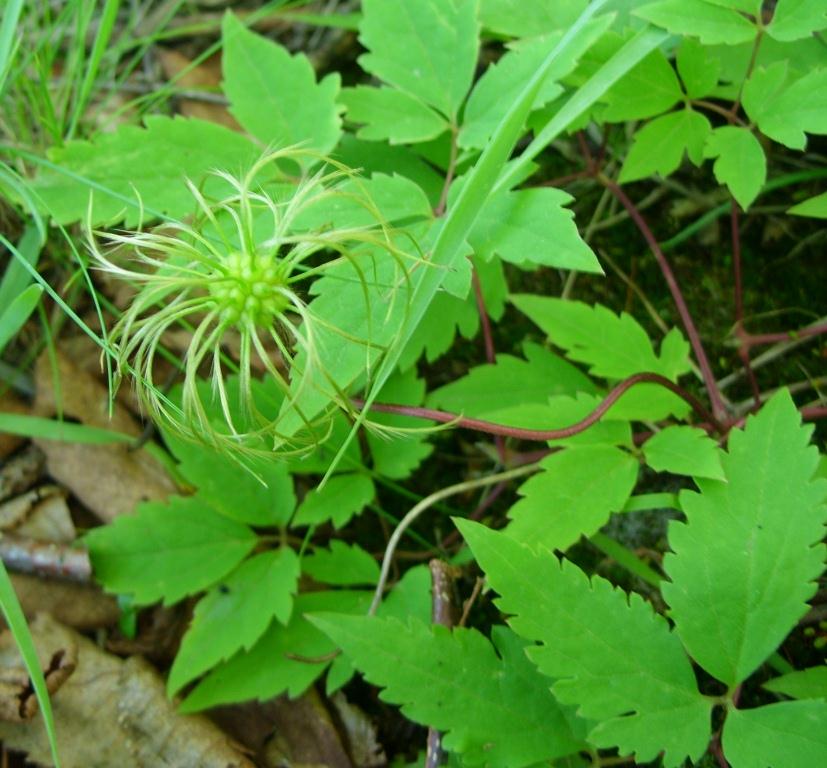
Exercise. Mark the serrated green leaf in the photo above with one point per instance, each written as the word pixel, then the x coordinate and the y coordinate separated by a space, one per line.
pixel 684 451
pixel 649 88
pixel 756 536
pixel 392 115
pixel 270 667
pixel 791 734
pixel 813 206
pixel 378 157
pixel 573 496
pixel 442 33
pixel 532 226
pixel 511 381
pixel 494 710
pixel 134 167
pixel 359 311
pixel 523 18
pixel 398 455
pixel 496 90
pixel 787 111
pixel 399 200
pixel 699 70
pixel 337 501
pixel 763 86
pixel 342 564
pixel 796 19
pixel 167 550
pixel 659 146
pixel 274 95
pixel 260 492
pixel 808 683
pixel 740 162
pixel 613 346
pixel 710 23
pixel 236 613
pixel 611 654
pixel 449 315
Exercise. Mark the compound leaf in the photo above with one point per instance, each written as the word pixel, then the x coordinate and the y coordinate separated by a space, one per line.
pixel 440 35
pixel 787 111
pixel 684 451
pixel 739 162
pixel 749 548
pixel 338 500
pixel 270 667
pixel 573 496
pixel 790 734
pixel 698 70
pixel 649 88
pixel 235 614
pixel 342 564
pixel 712 24
pixel 613 346
pixel 659 146
pixel 610 653
pixel 808 683
pixel 392 115
pixel 167 550
pixel 274 95
pixel 137 170
pixel 496 711
pixel 532 226
pixel 259 492
pixel 796 19
pixel 523 18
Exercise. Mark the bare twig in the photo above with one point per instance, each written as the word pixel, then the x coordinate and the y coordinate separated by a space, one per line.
pixel 45 558
pixel 443 612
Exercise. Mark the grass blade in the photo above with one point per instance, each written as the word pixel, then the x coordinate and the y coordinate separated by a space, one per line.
pixel 16 621
pixel 8 44
pixel 61 431
pixel 643 43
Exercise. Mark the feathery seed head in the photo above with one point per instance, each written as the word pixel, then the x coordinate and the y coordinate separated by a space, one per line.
pixel 236 276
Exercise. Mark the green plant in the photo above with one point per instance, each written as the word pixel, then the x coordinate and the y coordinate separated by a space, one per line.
pixel 365 283
pixel 742 568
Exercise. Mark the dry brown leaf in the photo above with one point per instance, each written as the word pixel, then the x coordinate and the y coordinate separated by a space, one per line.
pixel 41 513
pixel 82 606
pixel 113 713
pixel 360 734
pixel 205 77
pixel 109 479
pixel 294 732
pixel 10 403
pixel 21 471
pixel 58 659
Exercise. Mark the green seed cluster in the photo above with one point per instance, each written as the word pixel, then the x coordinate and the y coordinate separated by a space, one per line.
pixel 250 288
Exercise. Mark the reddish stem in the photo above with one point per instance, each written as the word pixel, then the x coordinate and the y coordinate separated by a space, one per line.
pixel 743 350
pixel 752 340
pixel 544 435
pixel 485 321
pixel 691 331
